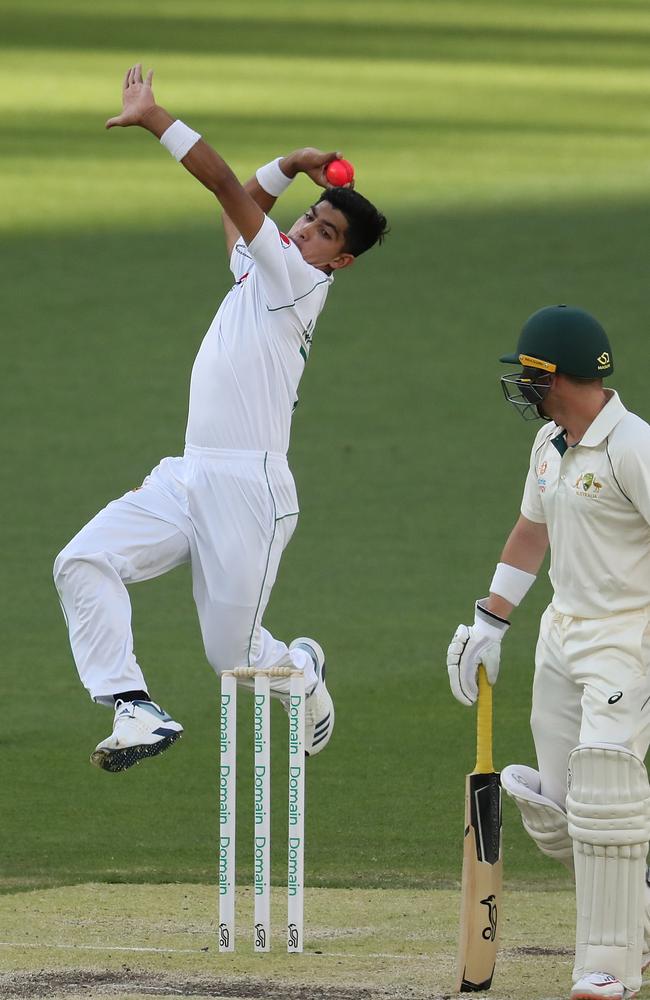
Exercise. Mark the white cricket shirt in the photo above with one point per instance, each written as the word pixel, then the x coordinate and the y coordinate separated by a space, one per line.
pixel 245 377
pixel 595 501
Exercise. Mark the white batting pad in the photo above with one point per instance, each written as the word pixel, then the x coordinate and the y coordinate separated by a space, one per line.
pixel 544 820
pixel 608 808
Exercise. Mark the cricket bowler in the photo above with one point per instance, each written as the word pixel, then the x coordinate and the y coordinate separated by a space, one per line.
pixel 228 506
pixel 587 497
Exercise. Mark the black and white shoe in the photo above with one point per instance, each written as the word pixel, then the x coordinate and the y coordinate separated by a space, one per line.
pixel 319 707
pixel 141 729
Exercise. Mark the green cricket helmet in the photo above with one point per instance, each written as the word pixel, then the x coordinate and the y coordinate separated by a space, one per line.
pixel 562 339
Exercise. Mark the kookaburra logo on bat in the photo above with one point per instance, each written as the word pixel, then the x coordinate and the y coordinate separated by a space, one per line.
pixel 490 932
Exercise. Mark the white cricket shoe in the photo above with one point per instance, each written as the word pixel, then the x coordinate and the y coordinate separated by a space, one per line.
pixel 600 984
pixel 319 707
pixel 140 729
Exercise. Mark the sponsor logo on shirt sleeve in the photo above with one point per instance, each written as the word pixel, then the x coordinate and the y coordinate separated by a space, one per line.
pixel 541 472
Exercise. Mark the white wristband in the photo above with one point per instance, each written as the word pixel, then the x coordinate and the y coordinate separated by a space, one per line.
pixel 271 178
pixel 511 583
pixel 179 139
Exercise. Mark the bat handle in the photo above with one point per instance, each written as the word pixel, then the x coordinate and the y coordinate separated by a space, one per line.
pixel 484 763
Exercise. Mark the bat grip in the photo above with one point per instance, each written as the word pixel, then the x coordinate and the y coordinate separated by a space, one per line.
pixel 484 763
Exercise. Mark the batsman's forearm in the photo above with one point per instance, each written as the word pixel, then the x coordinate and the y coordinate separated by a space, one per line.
pixel 526 546
pixel 498 606
pixel 524 550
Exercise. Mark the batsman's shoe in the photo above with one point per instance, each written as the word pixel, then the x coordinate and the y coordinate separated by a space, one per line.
pixel 600 984
pixel 319 707
pixel 140 729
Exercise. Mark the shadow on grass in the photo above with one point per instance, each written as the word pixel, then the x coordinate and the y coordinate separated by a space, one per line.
pixel 39 137
pixel 575 45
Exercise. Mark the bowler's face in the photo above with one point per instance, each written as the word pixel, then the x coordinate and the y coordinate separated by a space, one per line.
pixel 320 235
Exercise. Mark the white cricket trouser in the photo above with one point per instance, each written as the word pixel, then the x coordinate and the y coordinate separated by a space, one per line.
pixel 230 514
pixel 592 685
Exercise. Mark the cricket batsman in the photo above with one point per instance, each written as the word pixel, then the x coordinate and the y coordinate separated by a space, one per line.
pixel 587 497
pixel 228 506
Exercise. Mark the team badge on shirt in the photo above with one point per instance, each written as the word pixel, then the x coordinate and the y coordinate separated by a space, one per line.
pixel 587 485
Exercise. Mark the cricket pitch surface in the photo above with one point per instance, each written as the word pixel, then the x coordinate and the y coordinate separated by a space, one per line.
pixel 158 941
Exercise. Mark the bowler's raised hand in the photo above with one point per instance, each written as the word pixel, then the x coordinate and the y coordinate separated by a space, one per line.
pixel 137 98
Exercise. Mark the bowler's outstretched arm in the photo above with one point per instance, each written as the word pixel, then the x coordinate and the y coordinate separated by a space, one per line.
pixel 139 108
pixel 244 206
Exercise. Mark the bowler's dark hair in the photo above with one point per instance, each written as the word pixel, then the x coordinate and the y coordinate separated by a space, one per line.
pixel 366 224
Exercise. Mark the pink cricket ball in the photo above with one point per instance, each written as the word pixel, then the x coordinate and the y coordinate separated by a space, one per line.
pixel 339 172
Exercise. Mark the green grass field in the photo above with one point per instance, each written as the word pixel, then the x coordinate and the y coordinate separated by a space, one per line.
pixel 508 143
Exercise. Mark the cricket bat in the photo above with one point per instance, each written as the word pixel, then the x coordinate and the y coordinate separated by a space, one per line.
pixel 482 860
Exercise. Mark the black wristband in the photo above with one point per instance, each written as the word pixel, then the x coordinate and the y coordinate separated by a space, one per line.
pixel 489 616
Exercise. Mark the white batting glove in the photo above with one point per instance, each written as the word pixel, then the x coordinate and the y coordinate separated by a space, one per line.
pixel 472 645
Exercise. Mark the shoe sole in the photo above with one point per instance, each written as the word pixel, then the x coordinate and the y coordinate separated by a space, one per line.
pixel 120 760
pixel 595 996
pixel 602 996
